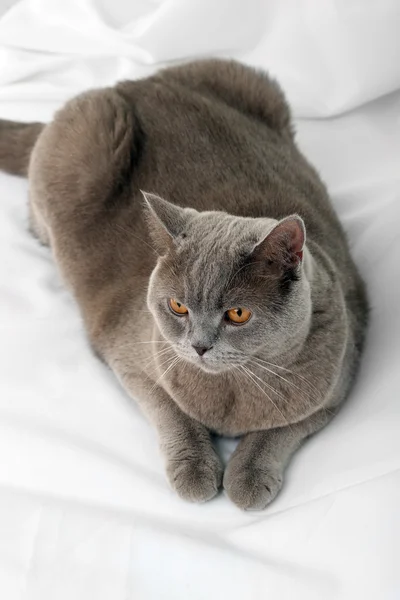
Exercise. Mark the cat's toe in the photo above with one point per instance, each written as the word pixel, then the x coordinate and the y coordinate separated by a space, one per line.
pixel 251 488
pixel 195 480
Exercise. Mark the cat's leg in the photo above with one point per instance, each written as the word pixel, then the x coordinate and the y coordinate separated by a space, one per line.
pixel 193 467
pixel 254 474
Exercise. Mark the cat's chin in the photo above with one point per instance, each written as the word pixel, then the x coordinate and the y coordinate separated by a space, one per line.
pixel 207 367
pixel 213 370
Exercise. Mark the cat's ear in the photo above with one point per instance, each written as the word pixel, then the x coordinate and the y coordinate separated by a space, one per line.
pixel 166 221
pixel 284 244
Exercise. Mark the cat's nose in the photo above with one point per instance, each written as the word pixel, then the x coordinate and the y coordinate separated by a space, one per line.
pixel 201 349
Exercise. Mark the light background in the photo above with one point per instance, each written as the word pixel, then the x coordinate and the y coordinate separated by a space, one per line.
pixel 85 511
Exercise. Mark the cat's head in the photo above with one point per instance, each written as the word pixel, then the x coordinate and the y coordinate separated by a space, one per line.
pixel 226 287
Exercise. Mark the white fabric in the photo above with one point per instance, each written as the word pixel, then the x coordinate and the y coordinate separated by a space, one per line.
pixel 85 511
pixel 329 55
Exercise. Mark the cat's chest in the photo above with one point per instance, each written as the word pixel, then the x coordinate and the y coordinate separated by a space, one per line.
pixel 231 404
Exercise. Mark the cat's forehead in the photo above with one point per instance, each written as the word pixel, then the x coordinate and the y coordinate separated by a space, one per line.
pixel 212 245
pixel 211 249
pixel 210 253
pixel 219 232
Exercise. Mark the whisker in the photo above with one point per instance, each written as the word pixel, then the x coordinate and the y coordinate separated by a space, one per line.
pixel 273 372
pixel 162 352
pixel 287 371
pixel 250 374
pixel 316 398
pixel 267 384
pixel 134 345
pixel 171 366
pixel 157 366
pixel 152 342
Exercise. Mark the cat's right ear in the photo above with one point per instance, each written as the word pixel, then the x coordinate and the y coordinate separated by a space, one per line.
pixel 284 243
pixel 165 220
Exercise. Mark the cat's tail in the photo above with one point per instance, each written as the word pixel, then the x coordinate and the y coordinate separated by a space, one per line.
pixel 16 144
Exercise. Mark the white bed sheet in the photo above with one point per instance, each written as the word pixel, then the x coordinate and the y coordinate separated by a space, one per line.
pixel 85 511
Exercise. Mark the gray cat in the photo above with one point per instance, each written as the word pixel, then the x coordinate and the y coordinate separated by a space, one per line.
pixel 206 300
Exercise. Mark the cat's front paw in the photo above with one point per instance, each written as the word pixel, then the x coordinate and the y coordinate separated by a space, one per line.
pixel 251 487
pixel 195 479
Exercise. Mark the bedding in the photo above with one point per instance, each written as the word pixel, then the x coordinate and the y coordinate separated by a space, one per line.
pixel 85 510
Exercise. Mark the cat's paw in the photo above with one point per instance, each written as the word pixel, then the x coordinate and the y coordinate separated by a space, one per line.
pixel 251 487
pixel 195 479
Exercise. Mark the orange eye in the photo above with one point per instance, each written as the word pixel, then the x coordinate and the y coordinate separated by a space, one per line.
pixel 239 316
pixel 177 307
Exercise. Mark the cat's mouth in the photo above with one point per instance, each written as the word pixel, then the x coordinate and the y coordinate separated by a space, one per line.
pixel 206 363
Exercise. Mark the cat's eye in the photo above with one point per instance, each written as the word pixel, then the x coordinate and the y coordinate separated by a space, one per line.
pixel 238 316
pixel 177 307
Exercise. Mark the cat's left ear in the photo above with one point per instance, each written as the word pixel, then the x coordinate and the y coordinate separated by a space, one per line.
pixel 166 221
pixel 284 244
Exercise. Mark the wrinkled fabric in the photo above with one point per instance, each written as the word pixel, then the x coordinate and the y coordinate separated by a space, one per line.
pixel 85 510
pixel 329 55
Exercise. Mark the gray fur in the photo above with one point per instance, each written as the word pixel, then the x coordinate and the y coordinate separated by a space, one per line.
pixel 243 221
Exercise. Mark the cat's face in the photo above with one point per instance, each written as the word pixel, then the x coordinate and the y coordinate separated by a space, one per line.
pixel 226 287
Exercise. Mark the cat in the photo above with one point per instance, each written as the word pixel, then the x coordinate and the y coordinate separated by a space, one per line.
pixel 210 269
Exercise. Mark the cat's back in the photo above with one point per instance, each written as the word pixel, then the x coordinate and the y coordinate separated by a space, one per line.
pixel 209 127
pixel 212 135
pixel 218 136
